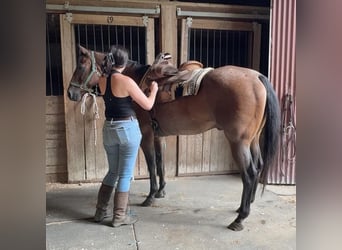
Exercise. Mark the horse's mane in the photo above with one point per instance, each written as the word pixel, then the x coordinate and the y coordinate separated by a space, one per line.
pixel 137 68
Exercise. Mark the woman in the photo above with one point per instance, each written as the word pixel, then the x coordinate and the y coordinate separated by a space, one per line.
pixel 121 136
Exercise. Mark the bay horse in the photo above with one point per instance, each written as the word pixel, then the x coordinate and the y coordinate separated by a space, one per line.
pixel 239 101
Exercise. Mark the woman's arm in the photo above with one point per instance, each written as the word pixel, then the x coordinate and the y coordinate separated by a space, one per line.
pixel 146 102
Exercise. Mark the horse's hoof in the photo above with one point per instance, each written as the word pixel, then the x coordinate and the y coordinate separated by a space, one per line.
pixel 148 202
pixel 160 194
pixel 235 226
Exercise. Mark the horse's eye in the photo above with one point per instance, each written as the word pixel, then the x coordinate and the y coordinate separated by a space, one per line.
pixel 80 67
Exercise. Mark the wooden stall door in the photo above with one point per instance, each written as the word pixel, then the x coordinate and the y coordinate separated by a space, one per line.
pixel 212 43
pixel 86 158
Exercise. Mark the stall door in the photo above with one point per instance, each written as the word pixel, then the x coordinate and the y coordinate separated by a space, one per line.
pixel 214 43
pixel 86 159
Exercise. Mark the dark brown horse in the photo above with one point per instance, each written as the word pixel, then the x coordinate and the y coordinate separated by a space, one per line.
pixel 239 101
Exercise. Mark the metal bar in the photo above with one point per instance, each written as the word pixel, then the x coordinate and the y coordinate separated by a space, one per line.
pixel 49 59
pixel 201 46
pixel 108 36
pixel 220 46
pixel 123 36
pixel 69 8
pixel 102 44
pixel 214 48
pixel 239 47
pixel 221 15
pixel 116 35
pixel 194 45
pixel 86 35
pixel 227 47
pixel 130 41
pixel 138 42
pixel 94 38
pixel 207 48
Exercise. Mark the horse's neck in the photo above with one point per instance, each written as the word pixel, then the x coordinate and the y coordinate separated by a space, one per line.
pixel 136 71
pixel 99 57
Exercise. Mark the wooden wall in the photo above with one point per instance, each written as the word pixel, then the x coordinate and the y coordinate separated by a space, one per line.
pixel 56 155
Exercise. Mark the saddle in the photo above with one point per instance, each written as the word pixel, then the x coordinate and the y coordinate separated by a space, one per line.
pixel 170 79
pixel 190 81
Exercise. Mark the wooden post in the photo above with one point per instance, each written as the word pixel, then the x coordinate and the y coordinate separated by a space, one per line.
pixel 150 41
pixel 168 43
pixel 256 45
pixel 168 31
pixel 185 41
pixel 74 125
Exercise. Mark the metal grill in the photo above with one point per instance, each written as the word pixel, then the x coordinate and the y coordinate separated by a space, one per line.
pixel 101 37
pixel 215 48
pixel 94 37
pixel 54 79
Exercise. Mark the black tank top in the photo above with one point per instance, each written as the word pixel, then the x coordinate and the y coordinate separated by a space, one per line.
pixel 117 107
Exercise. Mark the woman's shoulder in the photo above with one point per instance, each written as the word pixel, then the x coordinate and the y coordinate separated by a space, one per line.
pixel 126 79
pixel 125 82
pixel 122 77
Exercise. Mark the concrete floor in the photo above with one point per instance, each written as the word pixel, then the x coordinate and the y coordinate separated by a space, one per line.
pixel 193 215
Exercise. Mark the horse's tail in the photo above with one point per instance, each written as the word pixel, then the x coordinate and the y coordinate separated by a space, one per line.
pixel 271 130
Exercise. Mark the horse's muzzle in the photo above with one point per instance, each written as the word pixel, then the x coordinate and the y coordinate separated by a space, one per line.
pixel 73 95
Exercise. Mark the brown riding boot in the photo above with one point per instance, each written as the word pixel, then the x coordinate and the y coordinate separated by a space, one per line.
pixel 120 217
pixel 103 198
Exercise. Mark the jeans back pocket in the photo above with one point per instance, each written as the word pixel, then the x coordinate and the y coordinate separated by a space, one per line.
pixel 122 135
pixel 114 135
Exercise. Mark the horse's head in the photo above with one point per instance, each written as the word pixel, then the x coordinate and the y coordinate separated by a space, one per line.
pixel 162 58
pixel 90 67
pixel 162 68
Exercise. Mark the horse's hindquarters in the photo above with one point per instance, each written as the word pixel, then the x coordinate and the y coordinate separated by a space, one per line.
pixel 237 100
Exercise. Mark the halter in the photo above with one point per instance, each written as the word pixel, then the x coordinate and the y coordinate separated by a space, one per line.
pixel 90 91
pixel 84 86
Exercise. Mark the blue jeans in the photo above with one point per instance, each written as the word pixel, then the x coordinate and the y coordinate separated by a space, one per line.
pixel 121 140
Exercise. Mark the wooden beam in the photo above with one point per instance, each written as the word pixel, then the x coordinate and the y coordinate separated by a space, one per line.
pixel 221 25
pixel 107 20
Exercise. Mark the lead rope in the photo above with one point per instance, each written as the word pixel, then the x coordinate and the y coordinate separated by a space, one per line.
pixel 288 134
pixel 95 109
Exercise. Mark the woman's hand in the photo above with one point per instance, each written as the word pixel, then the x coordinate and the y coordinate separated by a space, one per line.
pixel 154 87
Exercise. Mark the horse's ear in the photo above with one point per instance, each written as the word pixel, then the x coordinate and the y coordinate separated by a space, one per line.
pixel 82 50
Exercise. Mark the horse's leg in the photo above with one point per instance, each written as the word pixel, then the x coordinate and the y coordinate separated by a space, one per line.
pixel 254 189
pixel 147 145
pixel 160 167
pixel 242 156
pixel 257 161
